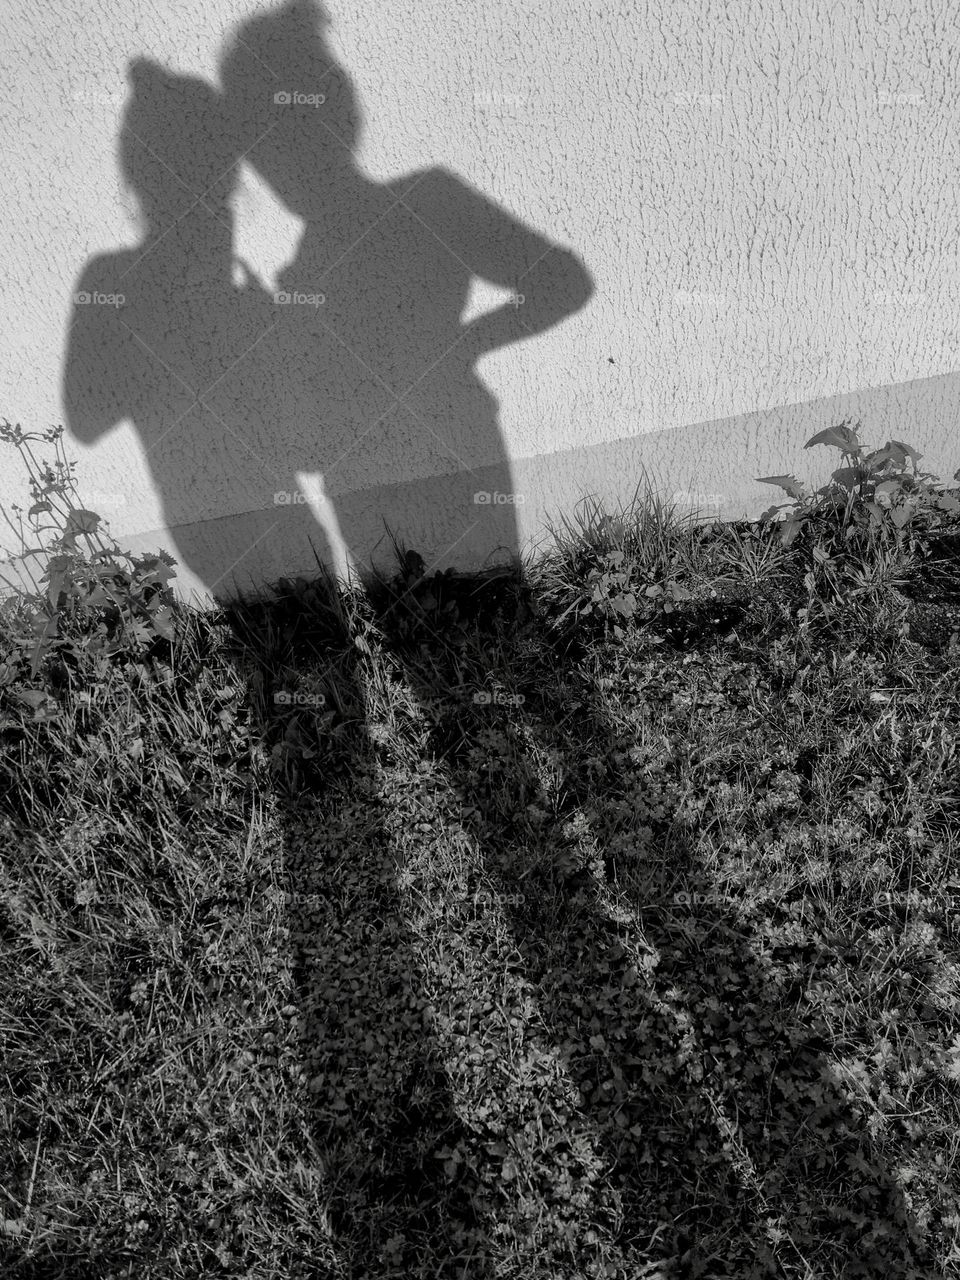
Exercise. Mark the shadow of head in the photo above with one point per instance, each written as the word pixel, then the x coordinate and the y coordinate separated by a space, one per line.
pixel 293 103
pixel 178 146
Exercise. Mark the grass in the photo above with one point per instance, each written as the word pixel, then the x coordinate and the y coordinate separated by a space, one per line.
pixel 591 919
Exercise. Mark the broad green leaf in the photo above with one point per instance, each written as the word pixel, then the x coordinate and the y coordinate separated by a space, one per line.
pixel 880 456
pixel 82 521
pixel 840 437
pixel 58 563
pixel 789 483
pixel 789 530
pixel 57 583
pixel 847 477
pixel 767 517
pixel 904 449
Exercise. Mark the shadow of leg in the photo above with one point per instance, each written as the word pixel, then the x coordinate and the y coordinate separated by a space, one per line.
pixel 380 1106
pixel 719 1118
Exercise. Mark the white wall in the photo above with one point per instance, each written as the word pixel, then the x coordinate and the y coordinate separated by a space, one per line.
pixel 765 201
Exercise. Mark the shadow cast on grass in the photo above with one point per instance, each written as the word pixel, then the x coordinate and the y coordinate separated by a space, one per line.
pixel 725 1135
pixel 379 1101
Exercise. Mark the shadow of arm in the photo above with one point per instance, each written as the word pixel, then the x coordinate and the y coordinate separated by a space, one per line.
pixel 549 283
pixel 93 365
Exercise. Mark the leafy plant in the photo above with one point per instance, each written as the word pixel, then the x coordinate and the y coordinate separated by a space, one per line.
pixel 626 566
pixel 92 597
pixel 617 593
pixel 862 524
pixel 870 493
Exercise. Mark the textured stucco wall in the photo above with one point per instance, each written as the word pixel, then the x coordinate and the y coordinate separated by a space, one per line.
pixel 731 225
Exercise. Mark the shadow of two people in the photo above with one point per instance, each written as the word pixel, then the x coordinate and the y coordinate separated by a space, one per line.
pixel 233 392
pixel 362 368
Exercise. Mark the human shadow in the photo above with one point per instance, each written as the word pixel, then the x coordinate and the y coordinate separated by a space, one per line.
pixel 380 1107
pixel 182 327
pixel 161 331
pixel 385 367
pixel 233 394
pixel 730 1147
pixel 234 389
